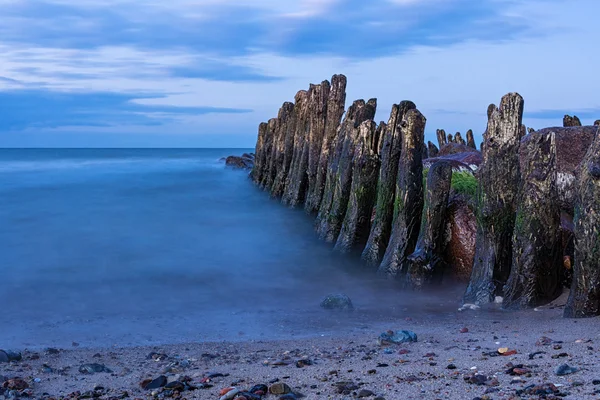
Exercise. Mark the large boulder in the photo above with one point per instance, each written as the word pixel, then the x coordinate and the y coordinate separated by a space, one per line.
pixel 245 161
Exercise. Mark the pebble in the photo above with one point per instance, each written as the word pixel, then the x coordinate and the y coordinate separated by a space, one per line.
pixel 365 393
pixel 230 395
pixel 93 368
pixel 565 369
pixel 280 388
pixel 154 383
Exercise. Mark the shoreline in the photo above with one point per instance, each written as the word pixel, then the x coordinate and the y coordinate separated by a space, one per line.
pixel 452 359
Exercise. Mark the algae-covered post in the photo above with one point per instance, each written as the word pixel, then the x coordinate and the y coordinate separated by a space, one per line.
pixel 285 146
pixel 584 299
pixel 426 262
pixel 535 276
pixel 335 110
pixel 318 97
pixel 297 179
pixel 571 121
pixel 432 150
pixel 441 137
pixel 388 173
pixel 408 203
pixel 365 170
pixel 496 200
pixel 339 176
pixel 259 153
pixel 471 139
pixel 459 139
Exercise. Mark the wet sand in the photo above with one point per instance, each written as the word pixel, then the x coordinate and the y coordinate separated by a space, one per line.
pixel 454 358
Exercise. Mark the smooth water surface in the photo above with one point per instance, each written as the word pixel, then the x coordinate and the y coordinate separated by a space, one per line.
pixel 132 247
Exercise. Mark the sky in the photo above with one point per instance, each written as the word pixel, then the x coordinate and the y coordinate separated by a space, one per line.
pixel 205 73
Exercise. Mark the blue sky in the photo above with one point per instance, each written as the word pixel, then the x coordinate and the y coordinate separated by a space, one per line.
pixel 196 73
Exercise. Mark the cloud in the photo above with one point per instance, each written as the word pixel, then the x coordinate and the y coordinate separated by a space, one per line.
pixel 165 63
pixel 45 109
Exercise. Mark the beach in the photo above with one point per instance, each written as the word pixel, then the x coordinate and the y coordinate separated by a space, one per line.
pixel 452 359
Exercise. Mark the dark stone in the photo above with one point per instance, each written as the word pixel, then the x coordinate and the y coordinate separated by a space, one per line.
pixel 398 337
pixel 93 368
pixel 363 191
pixel 297 179
pixel 381 227
pixel 426 263
pixel 565 369
pixel 584 298
pixel 280 388
pixel 408 203
pixel 535 275
pixel 441 137
pixel 365 393
pixel 462 230
pixel 339 175
pixel 498 179
pixel 432 150
pixel 571 121
pixel 283 149
pixel 471 139
pixel 246 161
pixel 335 109
pixel 156 383
pixel 337 302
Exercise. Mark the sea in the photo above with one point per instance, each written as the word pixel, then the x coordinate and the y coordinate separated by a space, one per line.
pixel 128 247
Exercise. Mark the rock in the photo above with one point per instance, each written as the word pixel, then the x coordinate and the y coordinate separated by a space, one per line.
pixel 461 230
pixel 565 369
pixel 363 190
pixel 398 337
pixel 335 110
pixel 156 383
pixel 426 263
pixel 571 121
pixel 230 394
pixel 441 137
pixel 8 356
pixel 337 302
pixel 339 178
pixel 381 227
pixel 244 162
pixel 365 393
pixel 408 203
pixel 456 148
pixel 498 179
pixel 260 389
pixel 432 150
pixel 280 388
pixel 471 139
pixel 93 368
pixel 284 148
pixel 15 384
pixel 535 275
pixel 584 298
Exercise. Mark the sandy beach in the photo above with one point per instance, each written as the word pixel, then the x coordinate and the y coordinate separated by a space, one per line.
pixel 485 354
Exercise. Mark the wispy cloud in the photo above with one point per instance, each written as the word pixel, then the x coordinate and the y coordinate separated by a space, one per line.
pixel 175 64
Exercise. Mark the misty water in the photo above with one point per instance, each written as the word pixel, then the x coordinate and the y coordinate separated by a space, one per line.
pixel 135 247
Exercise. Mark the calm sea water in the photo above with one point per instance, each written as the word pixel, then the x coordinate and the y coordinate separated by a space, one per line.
pixel 133 247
